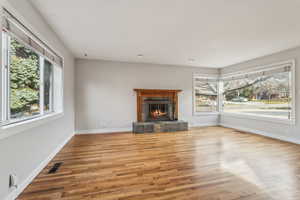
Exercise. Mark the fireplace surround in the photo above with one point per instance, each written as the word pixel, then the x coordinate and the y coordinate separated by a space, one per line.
pixel 157 105
pixel 157 111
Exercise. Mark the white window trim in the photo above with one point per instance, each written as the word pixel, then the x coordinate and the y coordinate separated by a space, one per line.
pixel 7 130
pixel 206 76
pixel 291 121
pixel 6 102
pixel 205 113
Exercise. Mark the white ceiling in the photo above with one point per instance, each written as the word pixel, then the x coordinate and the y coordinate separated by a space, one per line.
pixel 215 33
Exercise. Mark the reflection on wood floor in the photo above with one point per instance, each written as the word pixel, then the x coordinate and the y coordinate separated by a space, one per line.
pixel 211 163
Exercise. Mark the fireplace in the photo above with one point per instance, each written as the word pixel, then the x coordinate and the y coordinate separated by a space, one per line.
pixel 157 105
pixel 157 111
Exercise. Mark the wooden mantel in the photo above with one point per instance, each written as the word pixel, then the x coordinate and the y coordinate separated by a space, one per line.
pixel 146 93
pixel 156 90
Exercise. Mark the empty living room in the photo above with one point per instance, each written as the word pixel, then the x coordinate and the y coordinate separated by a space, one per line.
pixel 150 100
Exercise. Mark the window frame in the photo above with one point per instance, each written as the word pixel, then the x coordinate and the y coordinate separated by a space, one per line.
pixel 206 76
pixel 6 120
pixel 292 119
pixel 57 107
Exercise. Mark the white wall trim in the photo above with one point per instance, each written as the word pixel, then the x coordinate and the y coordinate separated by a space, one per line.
pixel 103 130
pixel 128 129
pixel 15 193
pixel 206 113
pixel 203 125
pixel 259 132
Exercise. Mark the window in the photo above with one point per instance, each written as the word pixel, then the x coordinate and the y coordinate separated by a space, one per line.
pixel 31 75
pixel 267 93
pixel 205 94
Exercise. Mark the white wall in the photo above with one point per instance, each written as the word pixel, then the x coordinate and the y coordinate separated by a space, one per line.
pixel 105 100
pixel 24 152
pixel 273 129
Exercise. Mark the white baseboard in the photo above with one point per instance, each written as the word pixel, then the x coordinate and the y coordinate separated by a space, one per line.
pixel 128 129
pixel 259 132
pixel 203 125
pixel 15 193
pixel 103 130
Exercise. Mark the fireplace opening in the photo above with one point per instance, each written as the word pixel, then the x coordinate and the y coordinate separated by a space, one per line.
pixel 158 109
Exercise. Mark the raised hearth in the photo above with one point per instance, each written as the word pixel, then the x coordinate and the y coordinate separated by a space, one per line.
pixel 156 127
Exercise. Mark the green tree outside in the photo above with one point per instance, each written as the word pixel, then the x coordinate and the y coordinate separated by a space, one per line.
pixel 24 79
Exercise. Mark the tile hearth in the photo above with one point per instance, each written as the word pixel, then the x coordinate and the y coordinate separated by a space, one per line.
pixel 161 126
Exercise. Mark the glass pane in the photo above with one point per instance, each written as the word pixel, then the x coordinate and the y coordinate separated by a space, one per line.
pixel 206 95
pixel 265 95
pixel 48 71
pixel 24 82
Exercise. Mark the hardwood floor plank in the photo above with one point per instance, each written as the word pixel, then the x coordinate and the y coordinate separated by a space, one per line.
pixel 211 163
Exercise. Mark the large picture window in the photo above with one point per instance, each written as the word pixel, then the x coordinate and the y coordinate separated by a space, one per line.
pixel 205 94
pixel 30 74
pixel 266 93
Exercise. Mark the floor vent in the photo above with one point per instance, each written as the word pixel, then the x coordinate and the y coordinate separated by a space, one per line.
pixel 55 167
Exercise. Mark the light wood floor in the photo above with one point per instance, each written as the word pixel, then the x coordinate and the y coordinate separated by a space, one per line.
pixel 210 163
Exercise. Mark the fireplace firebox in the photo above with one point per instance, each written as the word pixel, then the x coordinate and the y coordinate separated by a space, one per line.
pixel 158 109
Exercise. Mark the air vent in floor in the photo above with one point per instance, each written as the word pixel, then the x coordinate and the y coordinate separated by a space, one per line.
pixel 55 167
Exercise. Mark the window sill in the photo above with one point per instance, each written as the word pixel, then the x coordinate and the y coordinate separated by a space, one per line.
pixel 205 113
pixel 11 129
pixel 259 118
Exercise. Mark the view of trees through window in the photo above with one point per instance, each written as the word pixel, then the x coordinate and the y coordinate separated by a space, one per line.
pixel 24 81
pixel 24 76
pixel 267 95
pixel 206 95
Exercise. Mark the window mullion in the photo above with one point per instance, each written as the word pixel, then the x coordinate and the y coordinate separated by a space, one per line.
pixel 220 96
pixel 7 78
pixel 51 90
pixel 3 99
pixel 41 64
pixel 293 90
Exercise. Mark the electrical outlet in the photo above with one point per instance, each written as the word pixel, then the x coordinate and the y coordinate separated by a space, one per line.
pixel 13 181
